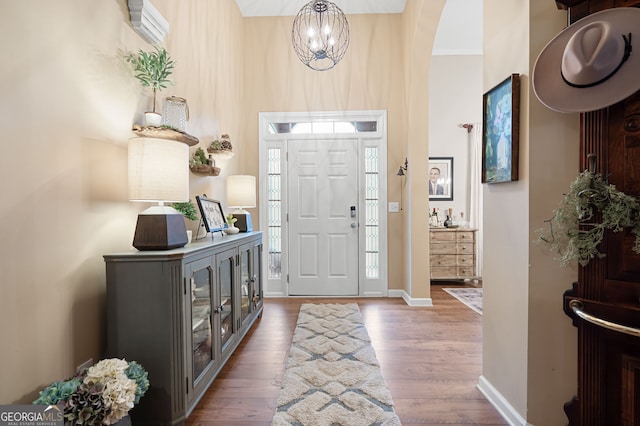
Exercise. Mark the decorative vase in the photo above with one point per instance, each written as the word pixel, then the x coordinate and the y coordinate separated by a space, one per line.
pixel 152 119
pixel 231 230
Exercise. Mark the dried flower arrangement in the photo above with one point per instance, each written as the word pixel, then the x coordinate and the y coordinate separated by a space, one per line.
pixel 102 394
pixel 574 235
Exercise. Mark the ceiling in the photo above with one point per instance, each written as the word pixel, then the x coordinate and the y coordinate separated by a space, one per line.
pixel 459 31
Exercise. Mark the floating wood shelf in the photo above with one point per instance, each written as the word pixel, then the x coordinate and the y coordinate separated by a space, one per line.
pixel 204 169
pixel 165 133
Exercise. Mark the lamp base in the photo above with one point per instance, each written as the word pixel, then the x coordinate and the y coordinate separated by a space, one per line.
pixel 244 223
pixel 159 228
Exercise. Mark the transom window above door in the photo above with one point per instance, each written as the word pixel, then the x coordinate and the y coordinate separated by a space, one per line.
pixel 323 127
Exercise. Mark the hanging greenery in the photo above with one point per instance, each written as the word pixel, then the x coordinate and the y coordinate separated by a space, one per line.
pixel 573 233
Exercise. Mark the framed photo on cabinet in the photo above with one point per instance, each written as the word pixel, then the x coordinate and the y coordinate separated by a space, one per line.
pixel 501 130
pixel 440 178
pixel 212 214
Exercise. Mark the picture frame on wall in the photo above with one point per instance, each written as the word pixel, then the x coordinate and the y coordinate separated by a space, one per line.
pixel 440 179
pixel 501 130
pixel 212 213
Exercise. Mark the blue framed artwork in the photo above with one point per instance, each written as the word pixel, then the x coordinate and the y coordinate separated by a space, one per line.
pixel 501 125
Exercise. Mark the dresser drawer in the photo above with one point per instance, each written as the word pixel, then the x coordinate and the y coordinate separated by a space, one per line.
pixel 465 236
pixel 443 260
pixel 435 236
pixel 444 248
pixel 465 260
pixel 444 272
pixel 465 248
pixel 466 272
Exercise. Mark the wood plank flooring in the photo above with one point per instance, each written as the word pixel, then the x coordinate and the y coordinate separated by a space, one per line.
pixel 431 359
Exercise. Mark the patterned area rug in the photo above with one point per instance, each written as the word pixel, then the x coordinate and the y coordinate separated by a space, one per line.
pixel 332 376
pixel 472 297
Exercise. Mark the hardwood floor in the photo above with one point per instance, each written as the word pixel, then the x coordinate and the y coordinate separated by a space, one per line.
pixel 431 359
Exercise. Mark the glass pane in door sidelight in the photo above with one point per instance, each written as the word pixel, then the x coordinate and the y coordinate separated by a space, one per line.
pixel 201 320
pixel 226 300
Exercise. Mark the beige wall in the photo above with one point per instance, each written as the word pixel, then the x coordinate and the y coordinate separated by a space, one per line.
pixel 68 104
pixel 420 22
pixel 368 78
pixel 455 93
pixel 529 345
pixel 67 107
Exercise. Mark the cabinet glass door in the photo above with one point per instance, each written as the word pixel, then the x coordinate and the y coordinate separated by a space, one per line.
pixel 225 308
pixel 201 343
pixel 256 277
pixel 245 277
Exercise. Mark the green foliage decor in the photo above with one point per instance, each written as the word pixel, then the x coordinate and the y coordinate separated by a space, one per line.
pixel 188 209
pixel 574 233
pixel 230 219
pixel 199 157
pixel 152 69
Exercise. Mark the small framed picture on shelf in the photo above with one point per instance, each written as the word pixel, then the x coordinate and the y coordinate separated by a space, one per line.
pixel 212 214
pixel 440 178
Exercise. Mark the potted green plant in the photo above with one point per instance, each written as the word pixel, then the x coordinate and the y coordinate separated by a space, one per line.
pixel 188 210
pixel 232 229
pixel 152 69
pixel 221 148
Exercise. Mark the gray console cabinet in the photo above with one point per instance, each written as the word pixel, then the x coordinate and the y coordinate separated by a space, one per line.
pixel 181 313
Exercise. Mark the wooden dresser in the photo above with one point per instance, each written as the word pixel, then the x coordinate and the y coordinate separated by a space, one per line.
pixel 452 253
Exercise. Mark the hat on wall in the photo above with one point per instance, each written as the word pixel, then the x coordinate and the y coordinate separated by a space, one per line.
pixel 590 64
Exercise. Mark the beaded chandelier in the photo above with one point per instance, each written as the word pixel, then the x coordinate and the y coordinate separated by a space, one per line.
pixel 320 35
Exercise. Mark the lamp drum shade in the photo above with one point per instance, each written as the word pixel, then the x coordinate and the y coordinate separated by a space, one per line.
pixel 158 170
pixel 241 193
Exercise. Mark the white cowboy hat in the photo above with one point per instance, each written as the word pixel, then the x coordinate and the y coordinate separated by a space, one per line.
pixel 591 64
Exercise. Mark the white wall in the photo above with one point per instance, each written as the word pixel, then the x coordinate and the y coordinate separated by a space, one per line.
pixel 529 346
pixel 455 98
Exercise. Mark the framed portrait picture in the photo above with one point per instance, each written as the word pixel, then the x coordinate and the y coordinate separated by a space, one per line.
pixel 501 128
pixel 440 178
pixel 212 214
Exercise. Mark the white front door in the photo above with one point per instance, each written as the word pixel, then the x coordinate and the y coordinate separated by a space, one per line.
pixel 323 217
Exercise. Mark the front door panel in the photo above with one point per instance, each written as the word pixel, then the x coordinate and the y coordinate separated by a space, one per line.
pixel 323 194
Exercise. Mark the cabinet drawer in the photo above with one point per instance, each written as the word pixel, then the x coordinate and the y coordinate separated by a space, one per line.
pixel 444 272
pixel 466 271
pixel 443 260
pixel 444 248
pixel 442 236
pixel 464 260
pixel 465 236
pixel 465 248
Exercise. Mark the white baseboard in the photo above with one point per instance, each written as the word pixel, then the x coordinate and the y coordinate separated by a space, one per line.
pixel 500 403
pixel 427 301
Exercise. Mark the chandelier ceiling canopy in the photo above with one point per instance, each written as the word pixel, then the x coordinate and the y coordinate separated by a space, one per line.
pixel 320 35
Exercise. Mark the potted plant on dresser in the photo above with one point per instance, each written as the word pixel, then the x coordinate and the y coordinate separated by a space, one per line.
pixel 152 69
pixel 188 210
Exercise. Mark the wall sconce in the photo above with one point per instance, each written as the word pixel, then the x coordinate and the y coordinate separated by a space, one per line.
pixel 158 173
pixel 401 172
pixel 403 168
pixel 241 194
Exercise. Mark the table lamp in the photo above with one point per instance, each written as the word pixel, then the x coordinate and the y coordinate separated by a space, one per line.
pixel 241 194
pixel 159 172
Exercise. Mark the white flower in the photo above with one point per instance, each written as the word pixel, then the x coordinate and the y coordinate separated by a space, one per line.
pixel 119 391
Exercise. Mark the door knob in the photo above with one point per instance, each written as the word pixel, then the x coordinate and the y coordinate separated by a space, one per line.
pixel 354 225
